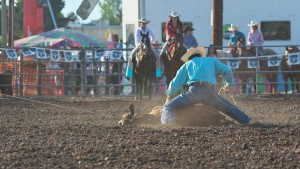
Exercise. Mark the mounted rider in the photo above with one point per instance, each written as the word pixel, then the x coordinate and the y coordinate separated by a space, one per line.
pixel 173 27
pixel 142 29
pixel 234 38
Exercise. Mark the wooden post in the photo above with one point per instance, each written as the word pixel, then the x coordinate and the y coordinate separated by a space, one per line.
pixel 11 24
pixel 217 22
pixel 3 23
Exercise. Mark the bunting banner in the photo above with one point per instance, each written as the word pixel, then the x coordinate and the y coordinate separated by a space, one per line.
pixel 71 56
pixel 252 63
pixel 40 53
pixel 11 54
pixel 233 63
pixel 27 52
pixel 99 54
pixel 293 59
pixel 89 55
pixel 114 55
pixel 274 61
pixel 55 55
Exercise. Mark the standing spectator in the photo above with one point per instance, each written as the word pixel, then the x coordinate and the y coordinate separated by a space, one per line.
pixel 89 77
pixel 234 37
pixel 188 39
pixel 255 38
pixel 173 26
pixel 53 68
pixel 141 29
pixel 116 60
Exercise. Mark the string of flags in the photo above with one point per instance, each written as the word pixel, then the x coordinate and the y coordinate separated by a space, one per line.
pixel 63 55
pixel 73 56
pixel 273 60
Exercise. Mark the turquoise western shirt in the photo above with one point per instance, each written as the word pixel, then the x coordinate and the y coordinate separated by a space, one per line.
pixel 200 69
pixel 234 37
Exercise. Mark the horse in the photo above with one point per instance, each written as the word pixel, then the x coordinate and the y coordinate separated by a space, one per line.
pixel 272 77
pixel 172 62
pixel 144 68
pixel 290 71
pixel 6 82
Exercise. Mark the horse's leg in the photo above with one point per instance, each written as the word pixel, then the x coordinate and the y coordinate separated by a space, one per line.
pixel 254 83
pixel 275 80
pixel 137 87
pixel 286 85
pixel 142 84
pixel 149 87
pixel 297 81
pixel 243 83
pixel 293 84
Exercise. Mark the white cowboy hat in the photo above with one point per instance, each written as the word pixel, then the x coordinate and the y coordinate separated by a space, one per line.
pixel 144 20
pixel 253 23
pixel 197 50
pixel 232 27
pixel 174 14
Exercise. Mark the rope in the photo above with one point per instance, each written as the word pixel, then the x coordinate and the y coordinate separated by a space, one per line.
pixel 51 104
pixel 223 88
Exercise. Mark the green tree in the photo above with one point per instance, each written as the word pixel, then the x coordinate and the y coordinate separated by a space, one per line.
pixel 111 10
pixel 18 19
pixel 61 20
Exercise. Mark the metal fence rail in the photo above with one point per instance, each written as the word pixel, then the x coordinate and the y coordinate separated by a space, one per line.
pixel 89 75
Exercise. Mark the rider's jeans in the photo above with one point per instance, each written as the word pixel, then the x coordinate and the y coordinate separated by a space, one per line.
pixel 164 49
pixel 260 51
pixel 201 94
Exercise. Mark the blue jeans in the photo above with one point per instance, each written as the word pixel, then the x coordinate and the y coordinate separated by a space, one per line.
pixel 260 51
pixel 207 96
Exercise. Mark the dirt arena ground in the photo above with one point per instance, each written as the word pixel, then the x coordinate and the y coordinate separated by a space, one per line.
pixel 83 133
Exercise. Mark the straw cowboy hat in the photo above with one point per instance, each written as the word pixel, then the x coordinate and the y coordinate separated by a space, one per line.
pixel 197 50
pixel 232 27
pixel 253 23
pixel 188 28
pixel 174 14
pixel 144 20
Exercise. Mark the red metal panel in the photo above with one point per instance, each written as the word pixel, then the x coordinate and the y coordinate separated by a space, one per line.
pixel 33 18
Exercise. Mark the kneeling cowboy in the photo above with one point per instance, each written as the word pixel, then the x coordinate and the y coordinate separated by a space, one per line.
pixel 199 73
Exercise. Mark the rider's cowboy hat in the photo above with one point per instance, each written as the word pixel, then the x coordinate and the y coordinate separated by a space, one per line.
pixel 232 27
pixel 144 20
pixel 253 23
pixel 197 50
pixel 174 14
pixel 188 28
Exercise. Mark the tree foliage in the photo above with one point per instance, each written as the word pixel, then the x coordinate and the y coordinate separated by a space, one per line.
pixel 61 20
pixel 111 10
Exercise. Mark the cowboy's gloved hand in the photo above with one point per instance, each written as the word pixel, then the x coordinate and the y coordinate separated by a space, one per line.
pixel 168 99
pixel 226 89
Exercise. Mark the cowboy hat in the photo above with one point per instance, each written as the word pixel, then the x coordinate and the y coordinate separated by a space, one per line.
pixel 144 20
pixel 197 50
pixel 253 23
pixel 174 14
pixel 232 27
pixel 188 28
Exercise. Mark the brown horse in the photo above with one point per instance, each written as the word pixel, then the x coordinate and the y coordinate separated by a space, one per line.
pixel 6 82
pixel 144 68
pixel 272 77
pixel 290 71
pixel 172 61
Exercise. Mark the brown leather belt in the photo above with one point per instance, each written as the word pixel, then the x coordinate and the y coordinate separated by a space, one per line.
pixel 203 84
